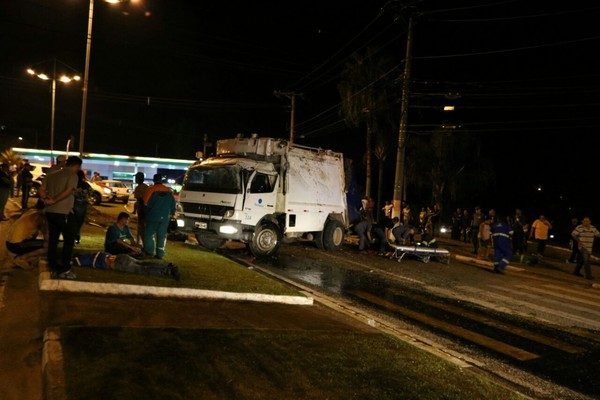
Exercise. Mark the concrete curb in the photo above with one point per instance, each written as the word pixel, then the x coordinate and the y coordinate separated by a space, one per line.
pixel 53 372
pixel 483 263
pixel 48 284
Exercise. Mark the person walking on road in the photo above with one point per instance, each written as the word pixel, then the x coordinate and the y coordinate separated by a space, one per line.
pixel 5 188
pixel 502 239
pixel 57 193
pixel 585 234
pixel 139 207
pixel 26 179
pixel 160 205
pixel 476 220
pixel 539 232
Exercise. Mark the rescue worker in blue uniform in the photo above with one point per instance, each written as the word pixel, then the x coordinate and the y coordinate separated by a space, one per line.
pixel 502 239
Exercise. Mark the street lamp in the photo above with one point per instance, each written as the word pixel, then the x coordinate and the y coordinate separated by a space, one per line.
pixel 64 79
pixel 86 72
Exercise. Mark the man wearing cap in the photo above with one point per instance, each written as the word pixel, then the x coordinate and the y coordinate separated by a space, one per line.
pixel 60 164
pixel 160 205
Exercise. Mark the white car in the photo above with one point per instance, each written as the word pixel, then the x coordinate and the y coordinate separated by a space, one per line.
pixel 120 191
pixel 100 192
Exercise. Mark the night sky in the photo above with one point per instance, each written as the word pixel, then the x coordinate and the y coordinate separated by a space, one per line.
pixel 163 73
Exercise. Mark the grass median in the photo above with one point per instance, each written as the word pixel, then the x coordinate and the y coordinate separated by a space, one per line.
pixel 129 363
pixel 199 270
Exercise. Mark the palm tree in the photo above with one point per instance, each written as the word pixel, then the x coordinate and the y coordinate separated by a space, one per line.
pixel 362 100
pixel 10 157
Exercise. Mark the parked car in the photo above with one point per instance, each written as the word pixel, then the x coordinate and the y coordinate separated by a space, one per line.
pixel 100 192
pixel 120 191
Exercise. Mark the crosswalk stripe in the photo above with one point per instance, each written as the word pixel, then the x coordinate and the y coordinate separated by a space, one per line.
pixel 588 294
pixel 554 293
pixel 545 299
pixel 510 300
pixel 516 330
pixel 458 331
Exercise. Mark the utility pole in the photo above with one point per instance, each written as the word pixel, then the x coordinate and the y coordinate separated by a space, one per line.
pixel 399 182
pixel 52 111
pixel 88 47
pixel 292 97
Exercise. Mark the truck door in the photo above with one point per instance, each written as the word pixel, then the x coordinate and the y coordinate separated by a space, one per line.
pixel 261 197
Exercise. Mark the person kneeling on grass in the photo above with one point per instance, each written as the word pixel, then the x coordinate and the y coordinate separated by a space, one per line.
pixel 119 239
pixel 22 237
pixel 126 263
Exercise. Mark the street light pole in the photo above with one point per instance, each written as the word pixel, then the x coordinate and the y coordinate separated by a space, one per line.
pixel 53 109
pixel 86 77
pixel 399 182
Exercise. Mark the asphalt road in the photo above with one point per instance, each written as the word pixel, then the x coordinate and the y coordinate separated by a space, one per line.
pixel 535 324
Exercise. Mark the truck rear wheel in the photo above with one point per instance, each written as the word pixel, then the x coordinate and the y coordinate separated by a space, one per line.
pixel 210 242
pixel 265 240
pixel 333 235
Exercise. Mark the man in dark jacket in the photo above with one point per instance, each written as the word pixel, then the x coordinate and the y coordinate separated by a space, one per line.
pixel 160 206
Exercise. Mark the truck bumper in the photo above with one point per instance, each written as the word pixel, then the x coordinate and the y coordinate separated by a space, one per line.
pixel 226 229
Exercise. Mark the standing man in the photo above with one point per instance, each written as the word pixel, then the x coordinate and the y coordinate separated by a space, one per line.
pixel 160 205
pixel 476 220
pixel 60 164
pixel 139 207
pixel 502 239
pixel 57 192
pixel 5 188
pixel 96 177
pixel 26 179
pixel 584 235
pixel 539 232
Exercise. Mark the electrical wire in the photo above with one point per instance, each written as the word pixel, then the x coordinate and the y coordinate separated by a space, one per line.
pixel 498 3
pixel 517 17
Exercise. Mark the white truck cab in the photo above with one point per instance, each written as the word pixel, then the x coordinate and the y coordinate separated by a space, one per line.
pixel 260 190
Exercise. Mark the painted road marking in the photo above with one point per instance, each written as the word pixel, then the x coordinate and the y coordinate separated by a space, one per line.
pixel 576 292
pixel 522 305
pixel 569 297
pixel 473 337
pixel 516 330
pixel 545 299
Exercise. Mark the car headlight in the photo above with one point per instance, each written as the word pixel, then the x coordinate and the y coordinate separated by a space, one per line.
pixel 228 214
pixel 107 190
pixel 180 223
pixel 228 229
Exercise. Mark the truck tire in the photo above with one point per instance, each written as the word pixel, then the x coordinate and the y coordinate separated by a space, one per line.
pixel 333 235
pixel 265 240
pixel 210 242
pixel 319 240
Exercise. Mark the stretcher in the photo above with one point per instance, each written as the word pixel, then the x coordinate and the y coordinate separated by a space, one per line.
pixel 423 253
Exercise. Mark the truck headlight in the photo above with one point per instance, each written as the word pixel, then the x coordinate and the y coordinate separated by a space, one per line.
pixel 227 229
pixel 228 214
pixel 180 223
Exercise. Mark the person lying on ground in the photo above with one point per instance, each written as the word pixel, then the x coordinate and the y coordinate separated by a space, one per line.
pixel 126 263
pixel 119 239
pixel 22 237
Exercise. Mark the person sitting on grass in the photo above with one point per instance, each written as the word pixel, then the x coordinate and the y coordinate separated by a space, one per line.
pixel 119 239
pixel 22 237
pixel 126 263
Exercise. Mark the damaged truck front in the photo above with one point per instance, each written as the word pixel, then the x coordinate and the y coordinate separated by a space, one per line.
pixel 262 190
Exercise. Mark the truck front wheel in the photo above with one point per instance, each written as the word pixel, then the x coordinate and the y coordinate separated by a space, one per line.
pixel 333 235
pixel 210 242
pixel 265 240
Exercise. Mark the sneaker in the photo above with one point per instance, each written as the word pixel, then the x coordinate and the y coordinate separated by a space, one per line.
pixel 67 275
pixel 174 271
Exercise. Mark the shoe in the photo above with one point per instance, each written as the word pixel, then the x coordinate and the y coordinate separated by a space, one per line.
pixel 497 271
pixel 67 275
pixel 578 274
pixel 174 271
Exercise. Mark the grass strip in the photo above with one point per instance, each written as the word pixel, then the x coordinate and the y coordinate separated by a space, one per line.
pixel 128 363
pixel 199 270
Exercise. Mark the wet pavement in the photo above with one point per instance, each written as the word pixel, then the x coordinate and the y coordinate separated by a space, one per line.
pixel 539 320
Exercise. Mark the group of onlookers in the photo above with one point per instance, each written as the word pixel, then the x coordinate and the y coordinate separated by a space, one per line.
pixel 61 211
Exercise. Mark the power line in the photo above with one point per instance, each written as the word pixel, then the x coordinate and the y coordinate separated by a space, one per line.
pixel 498 3
pixel 517 17
pixel 478 53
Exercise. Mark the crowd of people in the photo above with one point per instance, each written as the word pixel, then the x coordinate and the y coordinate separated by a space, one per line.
pixel 493 236
pixel 61 211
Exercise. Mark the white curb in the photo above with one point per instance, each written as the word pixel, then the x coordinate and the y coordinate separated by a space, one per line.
pixel 53 372
pixel 484 263
pixel 72 286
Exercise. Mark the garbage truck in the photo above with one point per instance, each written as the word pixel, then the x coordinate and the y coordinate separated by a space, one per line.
pixel 262 191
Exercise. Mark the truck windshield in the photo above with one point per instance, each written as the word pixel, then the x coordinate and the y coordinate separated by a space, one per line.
pixel 221 179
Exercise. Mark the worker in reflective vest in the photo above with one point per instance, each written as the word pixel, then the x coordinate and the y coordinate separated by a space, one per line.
pixel 502 239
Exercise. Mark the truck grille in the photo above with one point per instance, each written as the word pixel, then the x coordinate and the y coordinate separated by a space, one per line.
pixel 205 209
